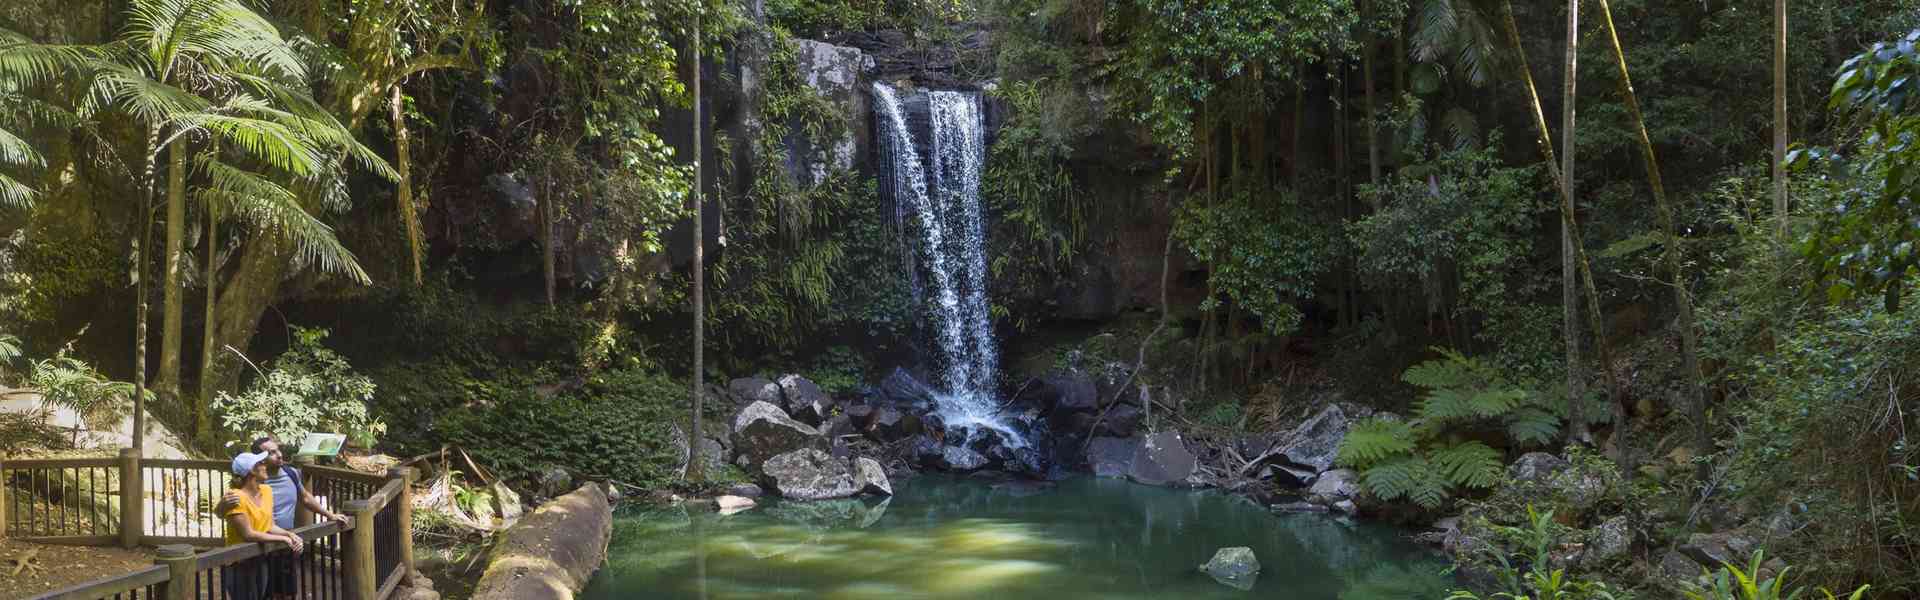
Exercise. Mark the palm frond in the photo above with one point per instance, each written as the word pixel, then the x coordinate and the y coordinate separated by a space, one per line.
pixel 25 62
pixel 15 194
pixel 272 143
pixel 273 209
pixel 16 151
pixel 325 131
pixel 168 32
pixel 1435 30
pixel 145 98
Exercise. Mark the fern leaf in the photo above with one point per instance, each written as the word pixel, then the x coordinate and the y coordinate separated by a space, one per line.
pixel 1410 477
pixel 1373 440
pixel 1533 425
pixel 1468 465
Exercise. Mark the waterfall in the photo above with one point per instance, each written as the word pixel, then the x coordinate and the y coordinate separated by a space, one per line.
pixel 944 194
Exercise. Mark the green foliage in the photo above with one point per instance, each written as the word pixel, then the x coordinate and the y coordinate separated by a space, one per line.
pixel 310 389
pixel 819 18
pixel 1427 460
pixel 1733 583
pixel 1531 578
pixel 1864 239
pixel 71 383
pixel 619 426
pixel 1043 214
pixel 1264 253
pixel 1460 227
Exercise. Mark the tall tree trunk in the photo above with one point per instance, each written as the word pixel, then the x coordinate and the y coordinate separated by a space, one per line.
pixel 1366 79
pixel 252 287
pixel 546 232
pixel 694 436
pixel 205 398
pixel 1689 342
pixel 403 162
pixel 141 241
pixel 1779 114
pixel 1569 276
pixel 167 381
pixel 1296 173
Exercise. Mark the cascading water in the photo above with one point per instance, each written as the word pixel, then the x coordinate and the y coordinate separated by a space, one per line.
pixel 944 194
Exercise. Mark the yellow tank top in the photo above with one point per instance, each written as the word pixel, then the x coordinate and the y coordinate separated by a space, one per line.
pixel 259 516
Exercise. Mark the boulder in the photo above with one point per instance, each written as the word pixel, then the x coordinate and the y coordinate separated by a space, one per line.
pixel 1122 420
pixel 860 415
pixel 748 390
pixel 1675 565
pixel 1710 550
pixel 870 478
pixel 551 554
pixel 900 390
pixel 840 426
pixel 1162 459
pixel 762 430
pixel 1111 457
pixel 713 455
pixel 1347 507
pixel 1535 467
pixel 1315 442
pixel 1612 539
pixel 960 459
pixel 804 400
pixel 732 504
pixel 1234 567
pixel 809 474
pixel 888 425
pixel 744 490
pixel 1335 486
pixel 1069 392
pixel 553 481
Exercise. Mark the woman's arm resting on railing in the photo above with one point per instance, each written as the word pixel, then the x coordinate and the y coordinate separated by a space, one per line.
pixel 272 535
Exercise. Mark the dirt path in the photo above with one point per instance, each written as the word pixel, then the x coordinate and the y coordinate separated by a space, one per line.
pixel 56 567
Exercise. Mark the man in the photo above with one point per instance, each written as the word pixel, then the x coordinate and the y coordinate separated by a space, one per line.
pixel 288 488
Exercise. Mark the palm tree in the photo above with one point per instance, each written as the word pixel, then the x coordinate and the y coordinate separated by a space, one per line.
pixel 1576 384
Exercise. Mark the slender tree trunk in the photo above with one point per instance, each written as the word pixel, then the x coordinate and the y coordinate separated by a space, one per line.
pixel 205 398
pixel 403 162
pixel 1569 276
pixel 699 271
pixel 1779 114
pixel 1689 341
pixel 167 381
pixel 1298 171
pixel 546 232
pixel 141 241
pixel 1366 80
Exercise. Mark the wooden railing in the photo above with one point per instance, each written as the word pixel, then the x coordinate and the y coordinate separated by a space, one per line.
pixel 103 502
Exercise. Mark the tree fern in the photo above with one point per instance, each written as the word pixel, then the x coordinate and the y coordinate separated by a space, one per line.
pixel 1468 465
pixel 1533 425
pixel 1374 440
pixel 1411 478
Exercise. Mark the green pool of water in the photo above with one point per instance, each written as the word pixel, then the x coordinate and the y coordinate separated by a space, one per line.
pixel 946 537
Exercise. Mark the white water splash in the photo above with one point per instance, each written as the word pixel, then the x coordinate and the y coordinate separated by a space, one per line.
pixel 946 198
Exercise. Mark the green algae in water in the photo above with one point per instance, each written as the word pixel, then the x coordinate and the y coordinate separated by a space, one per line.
pixel 946 537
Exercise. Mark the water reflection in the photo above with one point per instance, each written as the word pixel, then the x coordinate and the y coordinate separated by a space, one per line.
pixel 951 538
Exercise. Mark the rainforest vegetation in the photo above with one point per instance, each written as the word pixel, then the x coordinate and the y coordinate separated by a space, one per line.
pixel 1670 241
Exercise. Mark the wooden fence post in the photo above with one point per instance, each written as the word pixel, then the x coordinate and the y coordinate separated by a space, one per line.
pixel 404 515
pixel 132 499
pixel 180 563
pixel 361 581
pixel 3 499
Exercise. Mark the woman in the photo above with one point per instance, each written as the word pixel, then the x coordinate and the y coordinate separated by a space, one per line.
pixel 251 520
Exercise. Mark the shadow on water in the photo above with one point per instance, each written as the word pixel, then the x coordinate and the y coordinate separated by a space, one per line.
pixel 953 538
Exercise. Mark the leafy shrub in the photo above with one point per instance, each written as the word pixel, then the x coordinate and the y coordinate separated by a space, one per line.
pixel 1428 459
pixel 309 389
pixel 1531 578
pixel 619 426
pixel 1733 583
